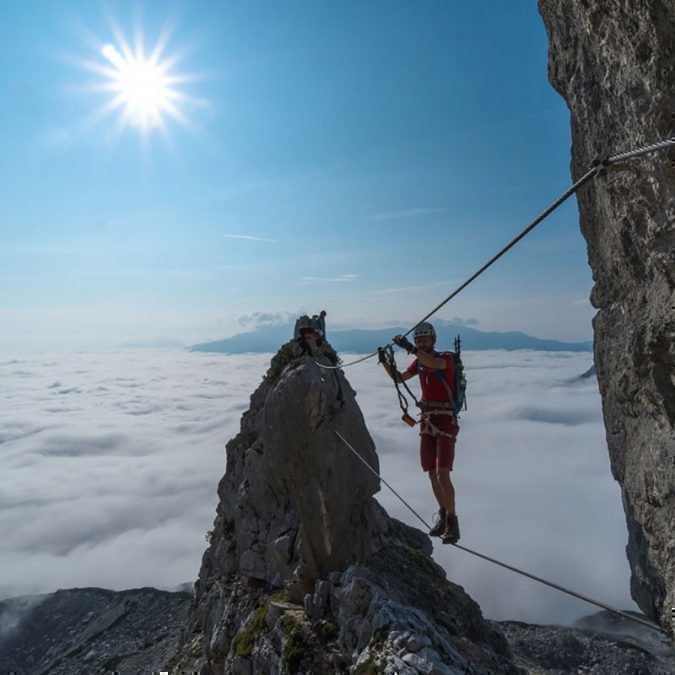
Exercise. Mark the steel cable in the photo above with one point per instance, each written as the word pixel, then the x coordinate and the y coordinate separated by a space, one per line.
pixel 551 584
pixel 597 168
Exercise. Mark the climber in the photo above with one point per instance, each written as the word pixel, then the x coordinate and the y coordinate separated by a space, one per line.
pixel 439 426
pixel 306 335
pixel 310 337
pixel 309 340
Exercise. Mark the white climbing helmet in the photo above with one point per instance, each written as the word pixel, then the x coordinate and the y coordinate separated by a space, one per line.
pixel 425 329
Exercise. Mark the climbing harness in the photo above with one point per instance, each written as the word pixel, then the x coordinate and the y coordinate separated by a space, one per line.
pixel 598 167
pixel 551 584
pixel 428 427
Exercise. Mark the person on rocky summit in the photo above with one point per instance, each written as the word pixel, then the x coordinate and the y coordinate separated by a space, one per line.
pixel 309 338
pixel 439 426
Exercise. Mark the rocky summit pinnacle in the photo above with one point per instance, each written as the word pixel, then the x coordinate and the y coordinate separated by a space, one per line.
pixel 293 504
pixel 614 63
pixel 305 572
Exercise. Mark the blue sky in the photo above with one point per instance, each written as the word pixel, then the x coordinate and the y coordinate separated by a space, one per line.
pixel 362 146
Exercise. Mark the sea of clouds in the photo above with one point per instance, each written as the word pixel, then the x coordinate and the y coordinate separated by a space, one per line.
pixel 109 464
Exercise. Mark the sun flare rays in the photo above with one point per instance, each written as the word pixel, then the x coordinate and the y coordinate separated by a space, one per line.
pixel 142 85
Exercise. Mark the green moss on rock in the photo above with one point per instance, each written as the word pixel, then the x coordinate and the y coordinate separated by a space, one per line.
pixel 296 645
pixel 447 620
pixel 287 354
pixel 288 624
pixel 327 631
pixel 279 596
pixel 369 667
pixel 242 644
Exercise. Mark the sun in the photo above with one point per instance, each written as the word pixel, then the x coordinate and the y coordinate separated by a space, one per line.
pixel 142 85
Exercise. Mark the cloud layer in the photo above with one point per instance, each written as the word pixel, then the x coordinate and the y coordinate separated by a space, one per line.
pixel 532 479
pixel 256 320
pixel 110 464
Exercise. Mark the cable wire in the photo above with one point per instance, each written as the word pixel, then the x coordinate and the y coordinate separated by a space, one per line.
pixel 597 167
pixel 551 584
pixel 653 147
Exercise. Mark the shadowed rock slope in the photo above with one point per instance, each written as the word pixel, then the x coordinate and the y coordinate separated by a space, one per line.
pixel 305 572
pixel 614 63
pixel 91 630
pixel 597 644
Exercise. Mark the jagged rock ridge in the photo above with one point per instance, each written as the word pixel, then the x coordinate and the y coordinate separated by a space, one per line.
pixel 90 630
pixel 305 572
pixel 614 63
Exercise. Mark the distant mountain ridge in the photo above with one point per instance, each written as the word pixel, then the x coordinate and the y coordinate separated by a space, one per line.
pixel 269 338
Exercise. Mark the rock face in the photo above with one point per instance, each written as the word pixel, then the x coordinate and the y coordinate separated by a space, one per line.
pixel 614 63
pixel 295 501
pixel 305 572
pixel 554 650
pixel 91 630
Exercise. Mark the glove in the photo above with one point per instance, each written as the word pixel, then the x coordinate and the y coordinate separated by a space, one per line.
pixel 404 343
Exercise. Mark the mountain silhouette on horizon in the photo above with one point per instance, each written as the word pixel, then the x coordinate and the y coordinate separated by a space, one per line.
pixel 268 338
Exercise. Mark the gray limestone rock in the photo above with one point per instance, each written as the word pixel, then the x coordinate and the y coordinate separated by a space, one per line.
pixel 591 647
pixel 395 628
pixel 305 571
pixel 614 63
pixel 91 630
pixel 294 504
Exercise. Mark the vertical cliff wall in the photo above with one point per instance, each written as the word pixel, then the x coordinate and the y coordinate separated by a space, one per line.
pixel 614 63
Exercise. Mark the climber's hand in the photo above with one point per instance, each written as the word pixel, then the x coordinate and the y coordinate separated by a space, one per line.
pixel 404 343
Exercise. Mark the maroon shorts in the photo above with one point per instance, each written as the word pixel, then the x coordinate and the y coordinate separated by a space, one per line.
pixel 438 451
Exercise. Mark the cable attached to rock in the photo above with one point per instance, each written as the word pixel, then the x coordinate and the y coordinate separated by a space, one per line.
pixel 652 147
pixel 551 584
pixel 598 167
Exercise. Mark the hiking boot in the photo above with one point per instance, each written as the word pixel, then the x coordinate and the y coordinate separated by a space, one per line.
pixel 451 533
pixel 439 524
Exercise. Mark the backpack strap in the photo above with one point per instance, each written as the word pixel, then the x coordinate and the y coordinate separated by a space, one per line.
pixel 439 374
pixel 441 377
